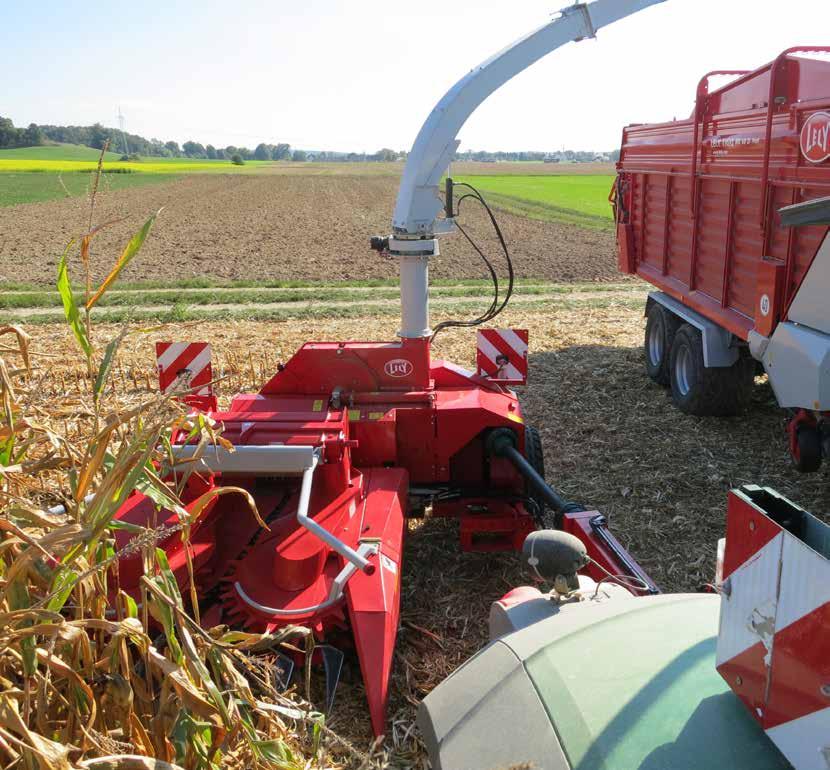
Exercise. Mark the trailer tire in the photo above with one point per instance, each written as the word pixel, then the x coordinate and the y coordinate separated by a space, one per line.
pixel 661 326
pixel 807 455
pixel 536 457
pixel 707 392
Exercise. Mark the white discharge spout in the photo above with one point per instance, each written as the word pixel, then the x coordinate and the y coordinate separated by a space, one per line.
pixel 418 202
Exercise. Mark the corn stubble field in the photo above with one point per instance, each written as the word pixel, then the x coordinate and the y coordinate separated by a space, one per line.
pixel 80 684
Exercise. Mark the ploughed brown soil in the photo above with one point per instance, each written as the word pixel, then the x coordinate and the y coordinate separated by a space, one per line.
pixel 282 226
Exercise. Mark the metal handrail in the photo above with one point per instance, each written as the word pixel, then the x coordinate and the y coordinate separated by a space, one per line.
pixel 764 213
pixel 703 91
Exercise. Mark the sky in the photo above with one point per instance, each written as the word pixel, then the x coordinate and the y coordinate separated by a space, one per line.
pixel 361 75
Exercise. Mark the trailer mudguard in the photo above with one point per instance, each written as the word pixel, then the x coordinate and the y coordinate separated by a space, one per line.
pixel 719 349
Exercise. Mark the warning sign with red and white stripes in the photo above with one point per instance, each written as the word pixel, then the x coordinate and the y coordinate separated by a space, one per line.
pixel 501 355
pixel 773 647
pixel 184 366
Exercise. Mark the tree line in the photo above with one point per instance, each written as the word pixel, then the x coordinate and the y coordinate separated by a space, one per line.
pixel 19 137
pixel 559 156
pixel 132 145
pixel 97 135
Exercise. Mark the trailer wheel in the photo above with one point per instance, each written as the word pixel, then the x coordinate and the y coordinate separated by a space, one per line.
pixel 806 451
pixel 535 456
pixel 707 392
pixel 661 326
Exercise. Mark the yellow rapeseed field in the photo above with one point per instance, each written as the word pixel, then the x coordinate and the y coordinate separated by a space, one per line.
pixel 173 166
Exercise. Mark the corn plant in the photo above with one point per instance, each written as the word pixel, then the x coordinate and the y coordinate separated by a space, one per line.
pixel 91 676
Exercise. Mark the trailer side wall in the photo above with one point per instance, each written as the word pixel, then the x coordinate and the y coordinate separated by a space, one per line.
pixel 696 199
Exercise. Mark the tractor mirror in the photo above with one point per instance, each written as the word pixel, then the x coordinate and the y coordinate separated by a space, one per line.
pixel 550 553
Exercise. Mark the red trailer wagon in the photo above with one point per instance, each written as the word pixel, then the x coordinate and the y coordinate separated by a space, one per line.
pixel 726 213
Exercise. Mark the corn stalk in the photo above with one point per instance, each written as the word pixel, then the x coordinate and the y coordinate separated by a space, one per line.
pixel 89 676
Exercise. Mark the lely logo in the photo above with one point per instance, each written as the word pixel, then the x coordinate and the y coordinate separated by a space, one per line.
pixel 815 137
pixel 398 367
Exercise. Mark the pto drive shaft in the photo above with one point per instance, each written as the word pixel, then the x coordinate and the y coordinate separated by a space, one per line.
pixel 502 443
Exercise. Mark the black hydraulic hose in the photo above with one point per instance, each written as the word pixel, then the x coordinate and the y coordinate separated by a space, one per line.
pixel 502 443
pixel 495 307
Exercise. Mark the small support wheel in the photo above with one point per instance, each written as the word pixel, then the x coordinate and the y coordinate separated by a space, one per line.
pixel 661 326
pixel 805 444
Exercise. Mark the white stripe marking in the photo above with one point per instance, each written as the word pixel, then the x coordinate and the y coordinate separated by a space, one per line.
pixel 492 352
pixel 195 367
pixel 805 742
pixel 514 340
pixel 805 582
pixel 199 363
pixel 512 373
pixel 754 590
pixel 171 354
pixel 489 350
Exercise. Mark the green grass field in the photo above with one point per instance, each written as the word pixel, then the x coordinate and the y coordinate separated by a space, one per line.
pixel 195 299
pixel 263 292
pixel 25 187
pixel 50 172
pixel 56 152
pixel 573 199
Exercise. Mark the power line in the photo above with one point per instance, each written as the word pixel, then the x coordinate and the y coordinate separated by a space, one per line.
pixel 121 125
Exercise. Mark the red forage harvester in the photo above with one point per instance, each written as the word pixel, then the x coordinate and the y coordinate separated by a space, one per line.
pixel 349 438
pixel 337 448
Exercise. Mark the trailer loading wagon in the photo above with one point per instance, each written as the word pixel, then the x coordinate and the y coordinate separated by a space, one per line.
pixel 726 213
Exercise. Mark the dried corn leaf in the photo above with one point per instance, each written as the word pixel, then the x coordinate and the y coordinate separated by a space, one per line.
pixel 127 762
